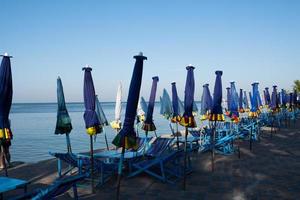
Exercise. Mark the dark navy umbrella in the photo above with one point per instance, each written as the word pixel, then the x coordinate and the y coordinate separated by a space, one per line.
pixel 92 123
pixel 206 102
pixel 234 113
pixel 63 122
pixel 126 138
pixel 274 104
pixel 148 124
pixel 268 97
pixel 187 119
pixel 241 107
pixel 175 104
pixel 254 100
pixel 6 92
pixel 217 112
pixel 283 98
pixel 228 98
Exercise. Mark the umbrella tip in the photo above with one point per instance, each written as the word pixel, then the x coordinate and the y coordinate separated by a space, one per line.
pixel 6 55
pixel 190 66
pixel 140 53
pixel 173 82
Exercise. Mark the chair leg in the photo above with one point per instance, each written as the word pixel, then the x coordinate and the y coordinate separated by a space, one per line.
pixel 75 191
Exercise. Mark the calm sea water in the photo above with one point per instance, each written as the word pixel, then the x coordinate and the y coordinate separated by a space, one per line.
pixel 33 127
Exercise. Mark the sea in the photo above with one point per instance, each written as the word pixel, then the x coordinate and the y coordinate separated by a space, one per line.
pixel 33 126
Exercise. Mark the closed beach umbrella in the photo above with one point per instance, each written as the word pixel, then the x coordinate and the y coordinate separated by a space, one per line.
pixel 267 97
pixel 148 124
pixel 234 113
pixel 6 92
pixel 175 104
pixel 245 101
pixel 283 98
pixel 216 112
pixel 161 111
pixel 187 119
pixel 241 107
pixel 259 102
pixel 92 123
pixel 102 119
pixel 166 104
pixel 63 120
pixel 206 102
pixel 274 103
pixel 254 100
pixel 126 138
pixel 116 124
pixel 181 107
pixel 228 98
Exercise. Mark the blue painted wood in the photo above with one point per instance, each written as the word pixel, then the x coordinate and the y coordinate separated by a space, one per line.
pixel 7 184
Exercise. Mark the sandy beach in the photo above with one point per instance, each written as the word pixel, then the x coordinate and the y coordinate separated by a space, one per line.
pixel 269 171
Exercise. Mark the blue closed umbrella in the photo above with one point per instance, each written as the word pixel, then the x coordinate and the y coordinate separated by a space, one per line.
pixel 267 96
pixel 63 120
pixel 217 112
pixel 274 103
pixel 245 101
pixel 126 138
pixel 254 101
pixel 234 113
pixel 206 102
pixel 283 98
pixel 148 124
pixel 175 104
pixel 6 92
pixel 228 98
pixel 92 123
pixel 241 107
pixel 102 119
pixel 187 119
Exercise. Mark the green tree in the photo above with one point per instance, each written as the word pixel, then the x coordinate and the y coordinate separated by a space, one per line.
pixel 297 85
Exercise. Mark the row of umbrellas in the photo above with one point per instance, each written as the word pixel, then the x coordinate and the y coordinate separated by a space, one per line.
pixel 95 120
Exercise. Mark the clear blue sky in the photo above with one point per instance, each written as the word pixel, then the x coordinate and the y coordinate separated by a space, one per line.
pixel 248 40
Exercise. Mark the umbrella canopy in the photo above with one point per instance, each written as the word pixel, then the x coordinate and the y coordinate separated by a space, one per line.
pixel 254 101
pixel 127 133
pixel 228 98
pixel 274 103
pixel 217 112
pixel 259 102
pixel 291 101
pixel 206 102
pixel 241 107
pixel 63 120
pixel 100 113
pixel 295 98
pixel 166 105
pixel 6 92
pixel 187 119
pixel 234 113
pixel 267 96
pixel 283 98
pixel 181 107
pixel 175 104
pixel 195 108
pixel 148 124
pixel 92 123
pixel 116 124
pixel 245 101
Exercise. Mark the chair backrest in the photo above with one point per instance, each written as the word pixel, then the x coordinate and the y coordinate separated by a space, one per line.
pixel 159 146
pixel 195 133
pixel 142 142
pixel 59 187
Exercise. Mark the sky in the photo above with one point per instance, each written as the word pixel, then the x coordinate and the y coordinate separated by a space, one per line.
pixel 248 40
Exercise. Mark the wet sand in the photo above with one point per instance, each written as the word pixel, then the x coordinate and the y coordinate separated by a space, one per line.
pixel 270 171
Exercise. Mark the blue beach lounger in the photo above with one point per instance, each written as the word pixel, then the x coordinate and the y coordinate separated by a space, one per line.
pixel 8 184
pixel 59 187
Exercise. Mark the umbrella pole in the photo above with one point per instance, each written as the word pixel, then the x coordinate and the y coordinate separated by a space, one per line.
pixel 3 160
pixel 68 143
pixel 177 139
pixel 185 158
pixel 105 139
pixel 92 162
pixel 251 129
pixel 120 170
pixel 213 147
